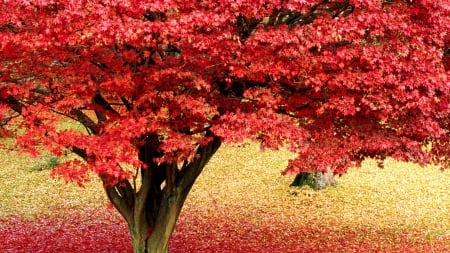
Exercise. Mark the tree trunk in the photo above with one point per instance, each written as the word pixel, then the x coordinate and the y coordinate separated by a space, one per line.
pixel 169 212
pixel 152 209
pixel 316 180
pixel 156 239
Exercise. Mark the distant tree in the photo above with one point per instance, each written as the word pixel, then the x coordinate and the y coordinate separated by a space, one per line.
pixel 317 180
pixel 159 85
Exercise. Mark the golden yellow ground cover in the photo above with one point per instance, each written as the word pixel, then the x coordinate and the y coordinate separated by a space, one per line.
pixel 242 202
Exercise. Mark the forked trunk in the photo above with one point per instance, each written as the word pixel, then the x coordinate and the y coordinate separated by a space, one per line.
pixel 152 209
pixel 169 212
pixel 156 239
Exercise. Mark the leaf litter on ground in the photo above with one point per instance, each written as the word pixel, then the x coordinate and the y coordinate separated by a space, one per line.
pixel 240 203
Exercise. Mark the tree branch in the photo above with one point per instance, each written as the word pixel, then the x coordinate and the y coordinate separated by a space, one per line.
pixel 85 121
pixel 171 176
pixel 14 104
pixel 191 171
pixel 119 202
pixel 127 104
pixel 291 18
pixel 127 192
pixel 80 152
pixel 99 100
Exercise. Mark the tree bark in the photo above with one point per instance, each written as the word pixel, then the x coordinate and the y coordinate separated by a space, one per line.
pixel 316 180
pixel 152 211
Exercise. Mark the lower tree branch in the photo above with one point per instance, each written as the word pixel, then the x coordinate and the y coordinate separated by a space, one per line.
pixel 13 103
pixel 119 202
pixel 191 171
pixel 85 121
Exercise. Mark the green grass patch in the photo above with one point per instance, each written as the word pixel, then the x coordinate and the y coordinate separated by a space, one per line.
pixel 46 162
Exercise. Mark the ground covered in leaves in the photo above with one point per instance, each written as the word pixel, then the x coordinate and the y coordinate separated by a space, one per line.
pixel 241 203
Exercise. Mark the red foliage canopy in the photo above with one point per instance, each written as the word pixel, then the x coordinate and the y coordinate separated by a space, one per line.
pixel 335 81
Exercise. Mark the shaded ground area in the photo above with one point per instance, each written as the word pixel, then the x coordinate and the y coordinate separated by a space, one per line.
pixel 97 232
pixel 194 235
pixel 309 237
pixel 240 203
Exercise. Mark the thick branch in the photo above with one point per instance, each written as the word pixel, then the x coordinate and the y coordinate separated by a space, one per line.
pixel 9 27
pixel 18 106
pixel 193 170
pixel 127 104
pixel 99 100
pixel 171 175
pixel 119 202
pixel 279 17
pixel 80 152
pixel 14 104
pixel 141 196
pixel 86 121
pixel 127 192
pixel 149 196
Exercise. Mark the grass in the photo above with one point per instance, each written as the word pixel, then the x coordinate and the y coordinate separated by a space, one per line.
pixel 242 203
pixel 29 192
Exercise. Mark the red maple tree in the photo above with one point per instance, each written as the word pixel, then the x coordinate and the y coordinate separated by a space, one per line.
pixel 159 85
